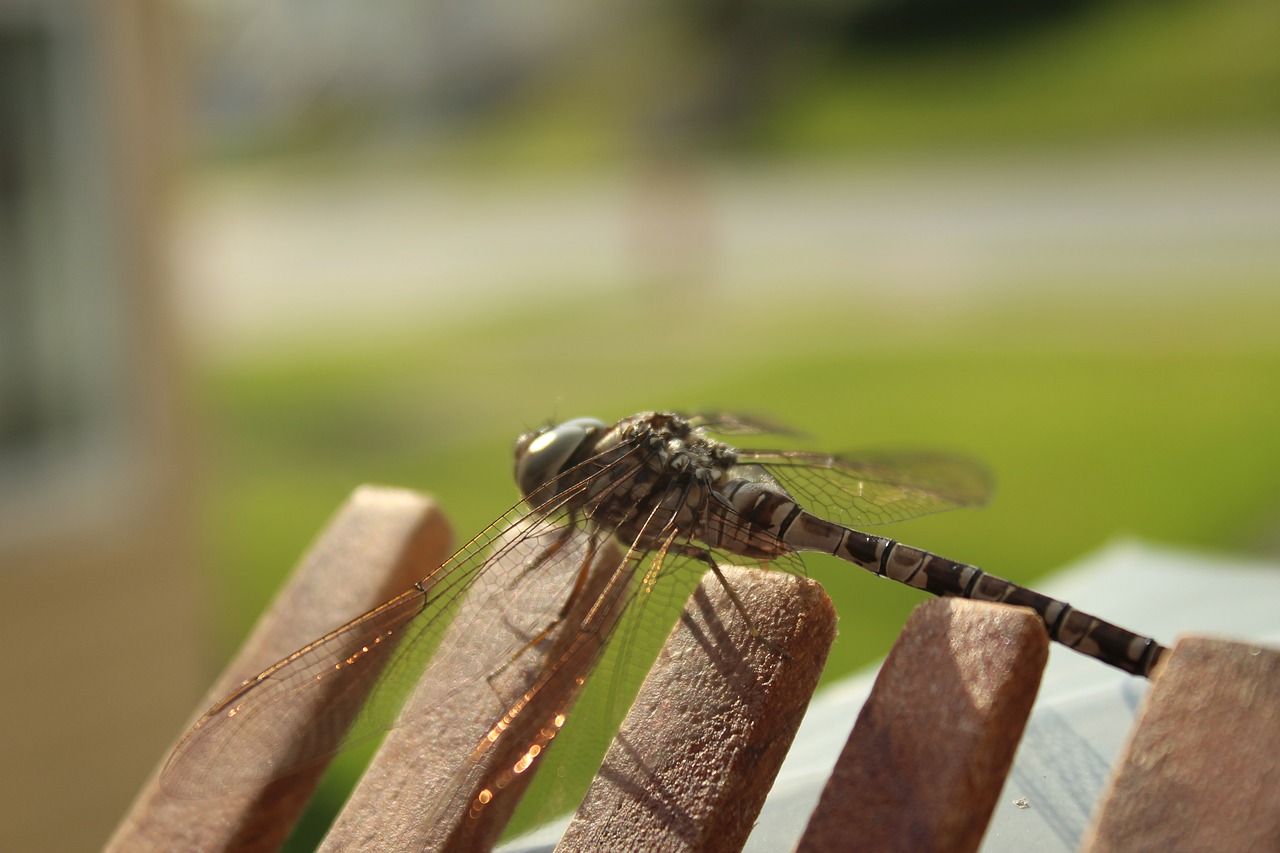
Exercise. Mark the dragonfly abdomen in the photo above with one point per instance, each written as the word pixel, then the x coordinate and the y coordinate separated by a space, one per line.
pixel 1087 634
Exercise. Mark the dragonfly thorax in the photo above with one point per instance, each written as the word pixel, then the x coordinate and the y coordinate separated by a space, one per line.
pixel 678 448
pixel 650 474
pixel 622 464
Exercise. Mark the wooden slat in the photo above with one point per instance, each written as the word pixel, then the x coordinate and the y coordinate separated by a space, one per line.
pixel 1202 770
pixel 378 544
pixel 424 789
pixel 932 746
pixel 700 747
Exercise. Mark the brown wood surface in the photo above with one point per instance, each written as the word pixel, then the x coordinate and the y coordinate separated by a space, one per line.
pixel 378 544
pixel 932 746
pixel 1202 770
pixel 423 790
pixel 704 739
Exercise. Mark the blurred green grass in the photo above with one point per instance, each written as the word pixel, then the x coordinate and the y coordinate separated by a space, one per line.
pixel 1113 71
pixel 1153 419
pixel 1148 431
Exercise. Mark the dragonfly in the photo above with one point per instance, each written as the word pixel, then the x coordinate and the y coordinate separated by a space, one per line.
pixel 642 495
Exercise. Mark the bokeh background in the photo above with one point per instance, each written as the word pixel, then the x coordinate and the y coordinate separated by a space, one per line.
pixel 253 254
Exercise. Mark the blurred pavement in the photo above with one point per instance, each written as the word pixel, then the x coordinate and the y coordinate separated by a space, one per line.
pixel 266 259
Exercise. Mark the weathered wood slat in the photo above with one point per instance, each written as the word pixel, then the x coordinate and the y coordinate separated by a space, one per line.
pixel 700 748
pixel 932 746
pixel 1202 769
pixel 703 741
pixel 379 542
pixel 429 788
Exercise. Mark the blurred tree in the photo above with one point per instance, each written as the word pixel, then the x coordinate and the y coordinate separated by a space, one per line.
pixel 887 24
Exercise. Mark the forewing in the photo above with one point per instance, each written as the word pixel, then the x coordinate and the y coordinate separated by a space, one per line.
pixel 349 686
pixel 873 488
pixel 292 715
pixel 733 424
pixel 642 602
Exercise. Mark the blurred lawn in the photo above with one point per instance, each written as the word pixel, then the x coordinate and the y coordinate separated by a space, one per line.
pixel 1101 420
pixel 1157 423
pixel 1112 71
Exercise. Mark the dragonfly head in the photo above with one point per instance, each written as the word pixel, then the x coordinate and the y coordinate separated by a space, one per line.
pixel 544 455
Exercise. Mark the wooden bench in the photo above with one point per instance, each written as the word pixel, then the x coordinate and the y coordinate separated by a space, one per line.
pixel 697 754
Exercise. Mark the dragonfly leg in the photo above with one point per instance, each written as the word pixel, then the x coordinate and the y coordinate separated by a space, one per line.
pixel 705 556
pixel 588 560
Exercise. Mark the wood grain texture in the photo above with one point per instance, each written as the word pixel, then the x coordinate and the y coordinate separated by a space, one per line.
pixel 1202 769
pixel 932 746
pixel 704 739
pixel 379 542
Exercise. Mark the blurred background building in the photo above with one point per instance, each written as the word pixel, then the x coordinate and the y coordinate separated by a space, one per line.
pixel 96 525
pixel 255 253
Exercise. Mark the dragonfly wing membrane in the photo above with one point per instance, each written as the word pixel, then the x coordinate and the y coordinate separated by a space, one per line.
pixel 294 714
pixel 875 488
pixel 348 687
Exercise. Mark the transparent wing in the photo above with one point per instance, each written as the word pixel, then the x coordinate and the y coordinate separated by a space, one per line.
pixel 609 629
pixel 509 583
pixel 658 582
pixel 873 488
pixel 349 685
pixel 730 424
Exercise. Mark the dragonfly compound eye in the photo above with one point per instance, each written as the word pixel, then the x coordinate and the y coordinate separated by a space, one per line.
pixel 543 456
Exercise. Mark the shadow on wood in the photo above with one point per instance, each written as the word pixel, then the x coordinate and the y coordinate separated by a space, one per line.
pixel 930 751
pixel 703 741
